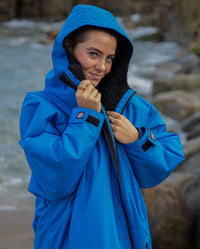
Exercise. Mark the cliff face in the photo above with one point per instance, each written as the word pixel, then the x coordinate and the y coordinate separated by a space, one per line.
pixel 36 9
pixel 161 13
pixel 189 15
pixel 57 9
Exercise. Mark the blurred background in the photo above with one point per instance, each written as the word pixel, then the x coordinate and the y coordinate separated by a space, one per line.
pixel 165 69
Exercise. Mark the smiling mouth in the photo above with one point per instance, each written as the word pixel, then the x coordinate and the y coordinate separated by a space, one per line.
pixel 96 76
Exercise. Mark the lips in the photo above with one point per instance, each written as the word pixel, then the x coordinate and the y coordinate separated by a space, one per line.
pixel 96 76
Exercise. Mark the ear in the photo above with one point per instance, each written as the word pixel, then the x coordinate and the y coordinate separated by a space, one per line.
pixel 67 44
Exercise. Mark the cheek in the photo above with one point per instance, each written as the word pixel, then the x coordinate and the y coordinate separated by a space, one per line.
pixel 83 60
pixel 85 63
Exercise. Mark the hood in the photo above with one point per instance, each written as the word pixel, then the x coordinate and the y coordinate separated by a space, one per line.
pixel 84 15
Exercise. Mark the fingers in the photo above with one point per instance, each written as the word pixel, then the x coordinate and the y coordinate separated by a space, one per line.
pixel 88 96
pixel 81 88
pixel 114 117
pixel 83 84
pixel 86 88
pixel 113 114
pixel 124 131
pixel 89 92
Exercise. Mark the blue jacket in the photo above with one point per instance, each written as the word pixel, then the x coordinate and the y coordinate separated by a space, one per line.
pixel 88 186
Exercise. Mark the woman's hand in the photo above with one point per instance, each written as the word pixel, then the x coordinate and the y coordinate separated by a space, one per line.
pixel 87 96
pixel 123 129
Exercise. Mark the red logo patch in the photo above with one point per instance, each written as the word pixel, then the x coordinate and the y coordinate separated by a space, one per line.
pixel 80 115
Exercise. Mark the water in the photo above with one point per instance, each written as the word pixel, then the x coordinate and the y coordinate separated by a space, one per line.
pixel 23 64
pixel 24 61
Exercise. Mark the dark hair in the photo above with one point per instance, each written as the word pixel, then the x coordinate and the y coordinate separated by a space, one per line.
pixel 80 35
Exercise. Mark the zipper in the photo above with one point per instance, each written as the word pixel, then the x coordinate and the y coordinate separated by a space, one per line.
pixel 125 105
pixel 113 150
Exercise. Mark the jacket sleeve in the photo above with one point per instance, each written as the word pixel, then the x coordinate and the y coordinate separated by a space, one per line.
pixel 155 155
pixel 57 156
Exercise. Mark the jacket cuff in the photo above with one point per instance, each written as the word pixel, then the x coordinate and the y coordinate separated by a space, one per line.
pixel 82 115
pixel 146 141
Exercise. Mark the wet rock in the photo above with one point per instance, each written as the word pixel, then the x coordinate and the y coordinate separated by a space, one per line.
pixel 7 9
pixel 55 10
pixel 191 148
pixel 195 132
pixel 169 215
pixel 46 9
pixel 165 72
pixel 189 123
pixel 191 192
pixel 177 82
pixel 180 179
pixel 190 188
pixel 195 47
pixel 196 237
pixel 177 104
pixel 187 178
pixel 188 15
pixel 155 37
pixel 27 8
pixel 192 125
pixel 191 165
pixel 189 62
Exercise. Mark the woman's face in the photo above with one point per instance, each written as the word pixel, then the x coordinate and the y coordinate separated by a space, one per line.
pixel 96 55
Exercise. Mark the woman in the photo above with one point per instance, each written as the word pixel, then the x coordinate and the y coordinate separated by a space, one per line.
pixel 91 150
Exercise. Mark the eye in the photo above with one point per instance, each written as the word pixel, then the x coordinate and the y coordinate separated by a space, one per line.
pixel 93 54
pixel 109 59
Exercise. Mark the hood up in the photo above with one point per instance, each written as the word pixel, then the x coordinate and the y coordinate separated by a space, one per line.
pixel 112 86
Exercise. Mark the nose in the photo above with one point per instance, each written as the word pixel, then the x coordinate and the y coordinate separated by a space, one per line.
pixel 101 65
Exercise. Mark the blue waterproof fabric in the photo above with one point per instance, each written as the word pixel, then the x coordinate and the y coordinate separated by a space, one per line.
pixel 80 200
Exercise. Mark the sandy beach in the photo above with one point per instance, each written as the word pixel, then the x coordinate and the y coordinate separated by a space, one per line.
pixel 16 228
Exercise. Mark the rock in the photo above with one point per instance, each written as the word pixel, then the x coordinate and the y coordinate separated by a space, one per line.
pixel 195 47
pixel 191 148
pixel 56 9
pixel 177 82
pixel 188 62
pixel 189 123
pixel 195 132
pixel 180 179
pixel 188 15
pixel 155 37
pixel 190 188
pixel 191 164
pixel 165 72
pixel 169 216
pixel 7 9
pixel 192 125
pixel 29 8
pixel 191 192
pixel 177 104
pixel 46 9
pixel 197 232
pixel 194 92
pixel 147 20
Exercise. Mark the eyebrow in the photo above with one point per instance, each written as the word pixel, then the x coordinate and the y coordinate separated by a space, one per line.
pixel 99 51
